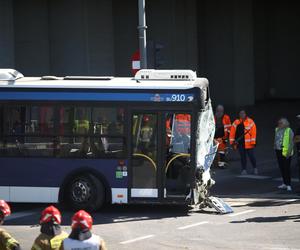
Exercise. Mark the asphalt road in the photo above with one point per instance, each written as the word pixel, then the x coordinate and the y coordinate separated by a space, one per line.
pixel 263 218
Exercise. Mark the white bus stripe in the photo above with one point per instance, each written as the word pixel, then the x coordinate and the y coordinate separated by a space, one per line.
pixel 137 239
pixel 240 213
pixel 193 225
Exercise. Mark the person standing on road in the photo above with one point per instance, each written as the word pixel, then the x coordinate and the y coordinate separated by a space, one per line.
pixel 243 137
pixel 51 236
pixel 81 237
pixel 284 145
pixel 223 125
pixel 7 242
pixel 297 142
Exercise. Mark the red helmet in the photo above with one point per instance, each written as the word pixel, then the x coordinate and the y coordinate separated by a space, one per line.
pixel 50 213
pixel 146 118
pixel 4 208
pixel 82 220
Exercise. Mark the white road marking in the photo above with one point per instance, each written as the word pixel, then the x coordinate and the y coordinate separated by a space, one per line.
pixel 240 213
pixel 257 177
pixel 18 215
pixel 193 225
pixel 137 239
pixel 285 202
pixel 129 219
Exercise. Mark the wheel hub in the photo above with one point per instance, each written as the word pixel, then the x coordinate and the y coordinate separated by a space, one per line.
pixel 81 191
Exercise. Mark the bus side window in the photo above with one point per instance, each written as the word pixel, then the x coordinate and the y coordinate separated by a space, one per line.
pixel 96 132
pixel 40 137
pixel 13 130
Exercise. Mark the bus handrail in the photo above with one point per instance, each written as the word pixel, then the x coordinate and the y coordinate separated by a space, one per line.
pixel 147 157
pixel 174 158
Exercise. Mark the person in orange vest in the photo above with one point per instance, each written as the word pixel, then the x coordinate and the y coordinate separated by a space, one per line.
pixel 183 124
pixel 81 237
pixel 51 236
pixel 7 242
pixel 182 130
pixel 243 137
pixel 223 125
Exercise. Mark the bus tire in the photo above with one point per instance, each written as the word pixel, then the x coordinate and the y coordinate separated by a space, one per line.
pixel 85 192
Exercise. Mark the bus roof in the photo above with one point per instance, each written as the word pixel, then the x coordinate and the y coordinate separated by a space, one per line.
pixel 90 82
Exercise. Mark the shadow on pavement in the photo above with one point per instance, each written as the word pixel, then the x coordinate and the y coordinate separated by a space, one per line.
pixel 295 218
pixel 107 215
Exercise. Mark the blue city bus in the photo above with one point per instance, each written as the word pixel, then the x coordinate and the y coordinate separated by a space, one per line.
pixel 86 141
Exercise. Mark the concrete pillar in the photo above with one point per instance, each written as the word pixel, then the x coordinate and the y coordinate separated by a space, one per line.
pixel 32 37
pixel 125 14
pixel 6 34
pixel 243 53
pixel 225 40
pixel 173 24
pixel 215 41
pixel 81 37
pixel 260 32
pixel 99 37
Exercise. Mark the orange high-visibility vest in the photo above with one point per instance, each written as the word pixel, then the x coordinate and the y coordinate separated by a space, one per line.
pixel 183 123
pixel 227 125
pixel 249 132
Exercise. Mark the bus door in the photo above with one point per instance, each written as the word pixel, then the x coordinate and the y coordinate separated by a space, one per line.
pixel 160 158
pixel 145 159
pixel 177 166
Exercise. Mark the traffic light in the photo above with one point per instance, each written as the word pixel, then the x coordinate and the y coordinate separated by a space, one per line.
pixel 155 55
pixel 158 56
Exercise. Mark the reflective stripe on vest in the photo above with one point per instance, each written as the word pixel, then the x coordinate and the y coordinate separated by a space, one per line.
pixel 82 124
pixel 92 243
pixel 56 241
pixel 11 243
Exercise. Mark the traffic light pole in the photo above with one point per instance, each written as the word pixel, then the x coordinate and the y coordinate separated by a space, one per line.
pixel 142 34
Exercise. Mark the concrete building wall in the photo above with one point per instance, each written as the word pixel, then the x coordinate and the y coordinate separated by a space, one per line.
pixel 6 34
pixel 125 34
pixel 284 48
pixel 31 35
pixel 53 38
pixel 277 50
pixel 173 24
pixel 249 50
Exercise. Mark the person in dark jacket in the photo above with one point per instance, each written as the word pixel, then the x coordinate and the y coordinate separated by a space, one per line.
pixel 297 142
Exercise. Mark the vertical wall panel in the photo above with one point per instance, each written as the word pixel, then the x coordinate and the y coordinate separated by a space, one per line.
pixel 31 37
pixel 6 34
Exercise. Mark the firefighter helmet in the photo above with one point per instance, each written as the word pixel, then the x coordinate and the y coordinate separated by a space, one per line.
pixel 4 208
pixel 82 219
pixel 50 213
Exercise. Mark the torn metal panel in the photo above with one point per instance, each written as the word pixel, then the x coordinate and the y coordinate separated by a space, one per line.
pixel 206 148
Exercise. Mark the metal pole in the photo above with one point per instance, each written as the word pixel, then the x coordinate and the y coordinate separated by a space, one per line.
pixel 142 34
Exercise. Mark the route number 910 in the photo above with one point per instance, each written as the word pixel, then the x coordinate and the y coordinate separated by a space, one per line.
pixel 178 98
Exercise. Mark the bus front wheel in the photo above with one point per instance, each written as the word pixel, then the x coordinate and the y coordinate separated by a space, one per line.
pixel 85 192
